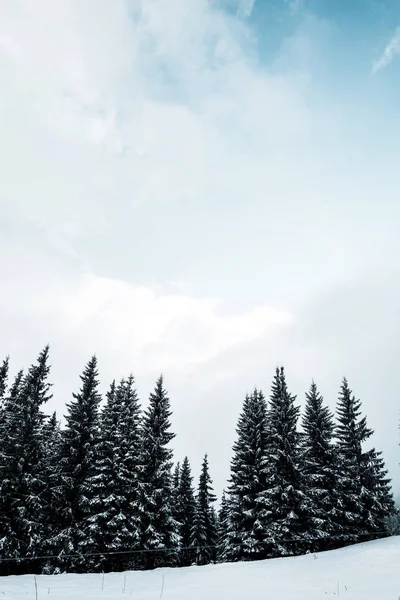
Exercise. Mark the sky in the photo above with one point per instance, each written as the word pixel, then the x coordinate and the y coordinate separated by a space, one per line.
pixel 207 189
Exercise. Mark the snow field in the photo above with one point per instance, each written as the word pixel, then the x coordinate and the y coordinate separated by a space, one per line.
pixel 369 571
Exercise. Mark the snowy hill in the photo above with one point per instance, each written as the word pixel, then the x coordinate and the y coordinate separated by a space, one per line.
pixel 368 571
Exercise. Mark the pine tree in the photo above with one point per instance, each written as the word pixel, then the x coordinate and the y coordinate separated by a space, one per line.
pixel 78 455
pixel 284 497
pixel 22 467
pixel 186 504
pixel 222 528
pixel 113 523
pixel 247 515
pixel 175 500
pixel 3 389
pixel 351 433
pixel 376 495
pixel 204 534
pixel 4 377
pixel 364 490
pixel 53 499
pixel 8 475
pixel 130 451
pixel 158 527
pixel 319 468
pixel 103 524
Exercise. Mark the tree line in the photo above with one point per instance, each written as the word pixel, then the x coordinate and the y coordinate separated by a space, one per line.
pixel 102 493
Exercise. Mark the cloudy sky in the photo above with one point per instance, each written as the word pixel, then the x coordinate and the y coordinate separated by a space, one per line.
pixel 207 188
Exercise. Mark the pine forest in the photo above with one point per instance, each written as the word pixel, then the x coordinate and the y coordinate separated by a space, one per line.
pixel 104 492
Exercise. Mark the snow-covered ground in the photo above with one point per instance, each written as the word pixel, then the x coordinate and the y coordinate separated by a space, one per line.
pixel 368 571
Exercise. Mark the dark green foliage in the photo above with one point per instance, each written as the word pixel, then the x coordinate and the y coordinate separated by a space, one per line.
pixel 130 453
pixel 319 469
pixel 78 462
pixel 4 377
pixel 186 509
pixel 222 529
pixel 175 500
pixel 158 527
pixel 3 389
pixel 53 498
pixel 284 499
pixel 247 523
pixel 22 467
pixel 351 433
pixel 376 494
pixel 364 490
pixel 204 533
pixel 112 525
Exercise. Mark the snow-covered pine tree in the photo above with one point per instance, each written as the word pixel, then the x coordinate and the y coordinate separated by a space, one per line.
pixel 319 469
pixel 113 523
pixel 130 451
pixel 364 489
pixel 222 528
pixel 8 473
pixel 159 530
pixel 284 498
pixel 77 463
pixel 247 516
pixel 3 388
pixel 186 503
pixel 351 433
pixel 175 500
pixel 4 377
pixel 376 495
pixel 104 524
pixel 53 499
pixel 22 467
pixel 204 533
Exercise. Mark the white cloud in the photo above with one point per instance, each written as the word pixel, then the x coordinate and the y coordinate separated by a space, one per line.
pixel 392 49
pixel 92 108
pixel 152 329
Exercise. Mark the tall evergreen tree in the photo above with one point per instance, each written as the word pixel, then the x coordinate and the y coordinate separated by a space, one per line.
pixel 175 500
pixel 204 534
pixel 284 497
pixel 130 451
pixel 158 527
pixel 22 466
pixel 351 433
pixel 364 490
pixel 53 498
pixel 113 523
pixel 3 389
pixel 319 469
pixel 186 504
pixel 103 524
pixel 247 515
pixel 78 457
pixel 377 493
pixel 8 475
pixel 222 528
pixel 4 377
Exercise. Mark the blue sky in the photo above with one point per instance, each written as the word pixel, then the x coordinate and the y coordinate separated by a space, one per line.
pixel 206 189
